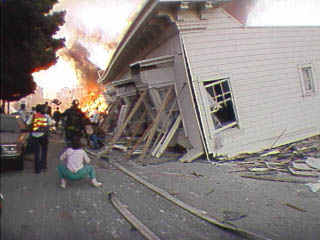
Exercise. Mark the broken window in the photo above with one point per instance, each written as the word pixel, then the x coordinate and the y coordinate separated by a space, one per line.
pixel 307 79
pixel 221 103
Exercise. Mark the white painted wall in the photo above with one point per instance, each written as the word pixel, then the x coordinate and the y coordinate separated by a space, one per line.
pixel 262 65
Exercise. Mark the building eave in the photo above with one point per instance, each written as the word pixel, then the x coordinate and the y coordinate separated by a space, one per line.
pixel 137 26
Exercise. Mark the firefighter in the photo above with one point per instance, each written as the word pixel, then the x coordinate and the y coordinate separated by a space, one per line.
pixel 40 122
pixel 75 122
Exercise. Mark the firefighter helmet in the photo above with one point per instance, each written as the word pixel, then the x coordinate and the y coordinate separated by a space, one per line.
pixel 75 102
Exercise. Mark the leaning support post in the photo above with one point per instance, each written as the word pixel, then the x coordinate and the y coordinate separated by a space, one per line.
pixel 139 141
pixel 156 123
pixel 124 125
pixel 137 128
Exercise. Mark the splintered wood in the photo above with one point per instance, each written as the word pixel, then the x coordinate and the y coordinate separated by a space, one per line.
pixel 157 125
pixel 300 159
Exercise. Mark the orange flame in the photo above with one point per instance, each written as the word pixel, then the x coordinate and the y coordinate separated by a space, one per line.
pixel 93 101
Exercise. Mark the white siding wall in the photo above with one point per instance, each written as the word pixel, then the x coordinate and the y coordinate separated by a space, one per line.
pixel 262 66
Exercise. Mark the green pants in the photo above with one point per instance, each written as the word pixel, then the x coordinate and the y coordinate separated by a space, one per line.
pixel 65 173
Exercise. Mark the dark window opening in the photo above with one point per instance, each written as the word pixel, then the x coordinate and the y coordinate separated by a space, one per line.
pixel 221 103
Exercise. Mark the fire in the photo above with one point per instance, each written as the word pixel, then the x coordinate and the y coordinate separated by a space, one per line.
pixel 93 101
pixel 92 31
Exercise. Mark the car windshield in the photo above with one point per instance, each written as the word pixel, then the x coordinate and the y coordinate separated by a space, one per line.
pixel 9 124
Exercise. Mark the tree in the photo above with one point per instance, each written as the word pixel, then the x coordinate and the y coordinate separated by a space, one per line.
pixel 27 44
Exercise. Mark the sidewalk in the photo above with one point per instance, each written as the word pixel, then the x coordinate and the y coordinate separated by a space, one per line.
pixel 272 209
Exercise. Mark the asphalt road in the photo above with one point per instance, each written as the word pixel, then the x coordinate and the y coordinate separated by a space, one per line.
pixel 37 208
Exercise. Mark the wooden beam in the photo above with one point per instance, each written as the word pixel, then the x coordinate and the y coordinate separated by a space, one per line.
pixel 148 108
pixel 169 137
pixel 109 110
pixel 139 141
pixel 156 122
pixel 131 114
pixel 123 113
pixel 137 128
pixel 146 232
pixel 193 210
pixel 166 121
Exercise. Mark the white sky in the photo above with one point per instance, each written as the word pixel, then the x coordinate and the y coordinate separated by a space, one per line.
pixel 285 13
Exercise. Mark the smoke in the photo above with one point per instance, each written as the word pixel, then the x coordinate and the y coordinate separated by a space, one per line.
pixel 92 30
pixel 86 72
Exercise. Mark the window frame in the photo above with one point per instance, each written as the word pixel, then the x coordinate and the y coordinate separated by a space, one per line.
pixel 212 128
pixel 301 68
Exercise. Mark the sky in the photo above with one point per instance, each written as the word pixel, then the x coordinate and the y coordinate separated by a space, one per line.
pixel 98 24
pixel 285 13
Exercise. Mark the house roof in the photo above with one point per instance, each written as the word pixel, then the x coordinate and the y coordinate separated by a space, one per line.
pixel 145 28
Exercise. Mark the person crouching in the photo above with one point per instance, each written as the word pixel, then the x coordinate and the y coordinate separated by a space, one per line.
pixel 76 165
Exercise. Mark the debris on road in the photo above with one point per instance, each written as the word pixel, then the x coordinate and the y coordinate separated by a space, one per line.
pixel 294 207
pixel 148 234
pixel 314 187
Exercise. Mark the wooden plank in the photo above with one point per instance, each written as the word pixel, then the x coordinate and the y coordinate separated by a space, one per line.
pixel 146 232
pixel 274 178
pixel 157 144
pixel 122 115
pixel 302 173
pixel 191 155
pixel 169 137
pixel 109 110
pixel 166 121
pixel 131 114
pixel 156 123
pixel 148 108
pixel 195 211
pixel 161 133
pixel 137 128
pixel 140 140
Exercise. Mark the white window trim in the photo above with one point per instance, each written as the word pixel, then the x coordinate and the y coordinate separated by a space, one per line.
pixel 208 111
pixel 306 93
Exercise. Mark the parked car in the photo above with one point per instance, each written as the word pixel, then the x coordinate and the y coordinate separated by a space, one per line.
pixel 13 140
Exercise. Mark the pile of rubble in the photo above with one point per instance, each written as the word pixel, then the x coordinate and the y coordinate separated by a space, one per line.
pixel 300 158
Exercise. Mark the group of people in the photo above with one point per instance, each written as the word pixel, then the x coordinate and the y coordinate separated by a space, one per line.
pixel 75 160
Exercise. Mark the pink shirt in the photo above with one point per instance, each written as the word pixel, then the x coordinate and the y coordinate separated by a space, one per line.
pixel 75 159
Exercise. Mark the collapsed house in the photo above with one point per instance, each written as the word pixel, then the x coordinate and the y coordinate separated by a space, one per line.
pixel 190 73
